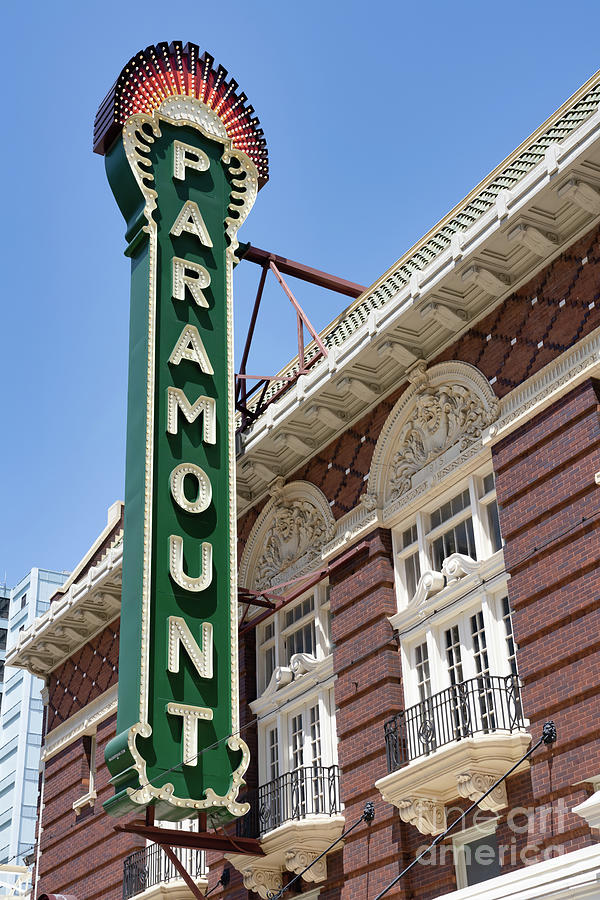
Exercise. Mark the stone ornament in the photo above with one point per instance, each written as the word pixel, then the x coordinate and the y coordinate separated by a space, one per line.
pixel 471 786
pixel 288 536
pixel 457 565
pixel 446 408
pixel 263 881
pixel 428 816
pixel 300 664
pixel 297 860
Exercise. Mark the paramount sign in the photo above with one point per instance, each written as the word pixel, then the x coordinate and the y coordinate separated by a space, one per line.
pixel 184 159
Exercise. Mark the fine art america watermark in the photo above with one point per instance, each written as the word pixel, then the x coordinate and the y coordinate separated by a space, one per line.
pixel 533 831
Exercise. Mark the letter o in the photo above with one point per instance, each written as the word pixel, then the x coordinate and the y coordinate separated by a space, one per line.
pixel 204 488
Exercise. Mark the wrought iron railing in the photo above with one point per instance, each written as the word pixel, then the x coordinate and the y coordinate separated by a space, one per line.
pixel 311 790
pixel 488 703
pixel 150 866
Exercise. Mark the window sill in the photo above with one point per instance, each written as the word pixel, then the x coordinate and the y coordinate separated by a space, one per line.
pixel 87 800
pixel 288 682
pixel 426 602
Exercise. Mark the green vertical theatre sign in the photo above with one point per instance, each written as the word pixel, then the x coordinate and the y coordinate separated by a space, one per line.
pixel 184 181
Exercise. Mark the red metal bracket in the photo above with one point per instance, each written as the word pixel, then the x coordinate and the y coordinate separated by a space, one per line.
pixel 252 403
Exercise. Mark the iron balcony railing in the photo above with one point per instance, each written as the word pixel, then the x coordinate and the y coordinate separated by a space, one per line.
pixel 488 703
pixel 311 790
pixel 150 866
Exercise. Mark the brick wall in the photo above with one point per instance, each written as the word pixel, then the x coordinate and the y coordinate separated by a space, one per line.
pixel 545 484
pixel 81 855
pixel 550 519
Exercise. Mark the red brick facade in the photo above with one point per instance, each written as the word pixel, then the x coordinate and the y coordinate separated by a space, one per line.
pixel 549 513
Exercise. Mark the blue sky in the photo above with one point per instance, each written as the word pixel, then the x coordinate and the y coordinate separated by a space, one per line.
pixel 379 118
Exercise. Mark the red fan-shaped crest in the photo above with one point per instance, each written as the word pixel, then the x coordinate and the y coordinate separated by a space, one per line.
pixel 167 70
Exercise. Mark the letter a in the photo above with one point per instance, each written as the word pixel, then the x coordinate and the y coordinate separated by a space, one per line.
pixel 189 346
pixel 190 220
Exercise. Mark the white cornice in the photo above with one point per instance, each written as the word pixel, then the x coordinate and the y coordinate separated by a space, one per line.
pixel 572 876
pixel 468 279
pixel 84 721
pixel 71 621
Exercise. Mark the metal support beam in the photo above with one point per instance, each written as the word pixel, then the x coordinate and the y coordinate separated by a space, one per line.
pixel 304 273
pixel 197 893
pixel 195 840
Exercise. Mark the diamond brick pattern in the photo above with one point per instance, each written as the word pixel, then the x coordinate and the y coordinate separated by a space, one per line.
pixel 528 330
pixel 84 676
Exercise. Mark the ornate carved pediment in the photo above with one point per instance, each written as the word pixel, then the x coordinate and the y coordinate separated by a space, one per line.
pixel 300 664
pixel 288 535
pixel 445 409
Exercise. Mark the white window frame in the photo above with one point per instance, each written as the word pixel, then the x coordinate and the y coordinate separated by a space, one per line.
pixel 433 632
pixel 293 699
pixel 486 828
pixel 319 615
pixel 477 510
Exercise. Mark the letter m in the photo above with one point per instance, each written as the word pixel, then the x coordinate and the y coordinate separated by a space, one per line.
pixel 205 406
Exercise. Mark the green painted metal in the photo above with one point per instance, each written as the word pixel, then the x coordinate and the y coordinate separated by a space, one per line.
pixel 146 757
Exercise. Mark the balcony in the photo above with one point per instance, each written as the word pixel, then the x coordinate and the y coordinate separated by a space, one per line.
pixel 451 745
pixel 295 817
pixel 310 791
pixel 148 873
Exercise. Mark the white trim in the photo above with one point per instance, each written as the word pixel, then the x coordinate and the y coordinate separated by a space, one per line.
pixel 483 829
pixel 590 809
pixel 574 876
pixel 400 314
pixel 85 721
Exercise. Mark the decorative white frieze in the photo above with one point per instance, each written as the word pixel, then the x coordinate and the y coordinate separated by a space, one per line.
pixel 472 785
pixel 428 816
pixel 288 536
pixel 448 405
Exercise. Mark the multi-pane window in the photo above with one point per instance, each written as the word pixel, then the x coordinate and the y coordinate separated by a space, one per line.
pixel 466 523
pixel 452 530
pixel 297 741
pixel 273 753
pixel 454 655
pixel 511 649
pixel 422 670
pixel 410 559
pixel 299 630
pixel 488 502
pixel 302 627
